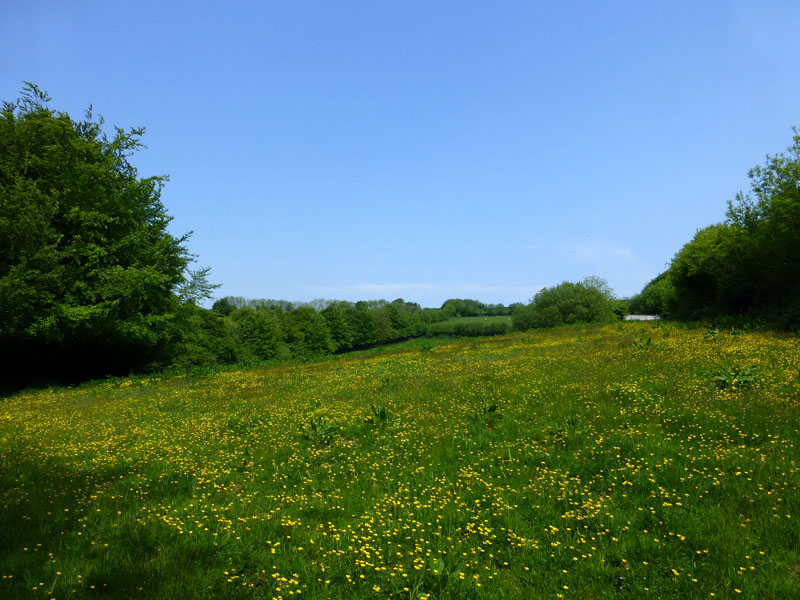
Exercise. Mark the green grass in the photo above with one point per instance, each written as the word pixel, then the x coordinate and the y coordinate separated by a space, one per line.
pixel 472 326
pixel 592 462
pixel 482 320
pixel 420 343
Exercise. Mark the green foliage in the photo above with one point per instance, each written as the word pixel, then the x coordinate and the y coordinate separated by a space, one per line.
pixel 337 317
pixel 379 415
pixel 645 342
pixel 196 287
pixel 260 333
pixel 735 379
pixel 570 427
pixel 770 216
pixel 88 271
pixel 472 326
pixel 455 307
pixel 319 432
pixel 587 301
pixel 351 326
pixel 270 333
pixel 707 274
pixel 307 334
pixel 621 307
pixel 281 330
pixel 655 298
pixel 224 306
pixel 746 267
pixel 205 340
pixel 714 333
pixel 486 416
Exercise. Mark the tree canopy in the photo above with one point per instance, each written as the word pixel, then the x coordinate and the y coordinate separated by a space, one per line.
pixel 89 274
pixel 745 267
pixel 590 300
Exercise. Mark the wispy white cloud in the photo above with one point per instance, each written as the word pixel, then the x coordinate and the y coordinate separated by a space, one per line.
pixel 623 268
pixel 619 265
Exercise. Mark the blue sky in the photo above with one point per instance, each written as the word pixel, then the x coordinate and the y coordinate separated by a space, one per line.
pixel 427 150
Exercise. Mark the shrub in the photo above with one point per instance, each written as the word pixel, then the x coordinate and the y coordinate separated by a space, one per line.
pixel 588 301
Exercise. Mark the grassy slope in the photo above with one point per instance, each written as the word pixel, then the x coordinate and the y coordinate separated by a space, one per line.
pixel 615 471
pixel 476 325
pixel 482 320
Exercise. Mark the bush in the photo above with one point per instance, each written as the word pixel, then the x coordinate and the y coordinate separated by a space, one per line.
pixel 588 301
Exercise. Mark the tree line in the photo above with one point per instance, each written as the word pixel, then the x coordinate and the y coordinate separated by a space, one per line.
pixel 236 329
pixel 92 283
pixel 744 269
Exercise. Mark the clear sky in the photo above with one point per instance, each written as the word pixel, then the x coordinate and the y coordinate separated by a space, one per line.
pixel 426 149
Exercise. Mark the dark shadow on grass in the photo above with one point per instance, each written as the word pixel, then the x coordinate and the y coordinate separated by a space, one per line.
pixel 49 524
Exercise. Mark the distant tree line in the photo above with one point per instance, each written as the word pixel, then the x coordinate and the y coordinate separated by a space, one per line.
pixel 92 283
pixel 281 330
pixel 746 268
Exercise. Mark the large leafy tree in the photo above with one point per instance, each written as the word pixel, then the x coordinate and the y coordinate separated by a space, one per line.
pixel 747 266
pixel 769 216
pixel 89 275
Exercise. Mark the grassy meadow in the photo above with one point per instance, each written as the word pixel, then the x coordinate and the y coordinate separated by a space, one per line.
pixel 494 319
pixel 472 326
pixel 619 461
